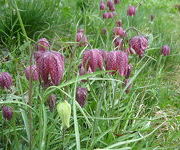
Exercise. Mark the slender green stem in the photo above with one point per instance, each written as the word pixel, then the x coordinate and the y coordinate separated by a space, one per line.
pixel 30 81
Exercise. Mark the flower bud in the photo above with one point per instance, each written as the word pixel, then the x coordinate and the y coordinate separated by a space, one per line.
pixel 64 111
pixel 102 5
pixel 81 95
pixel 165 50
pixel 7 112
pixel 43 44
pixel 119 31
pixel 5 80
pixel 51 102
pixel 32 72
pixel 139 44
pixel 131 11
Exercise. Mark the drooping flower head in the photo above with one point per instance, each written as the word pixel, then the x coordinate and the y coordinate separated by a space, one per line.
pixel 139 44
pixel 102 5
pixel 51 67
pixel 81 95
pixel 111 6
pixel 7 112
pixel 5 80
pixel 64 111
pixel 81 38
pixel 116 1
pixel 32 72
pixel 119 31
pixel 131 11
pixel 43 44
pixel 117 61
pixel 165 50
pixel 108 15
pixel 93 58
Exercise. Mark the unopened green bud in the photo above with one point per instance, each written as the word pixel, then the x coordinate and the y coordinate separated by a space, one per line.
pixel 64 111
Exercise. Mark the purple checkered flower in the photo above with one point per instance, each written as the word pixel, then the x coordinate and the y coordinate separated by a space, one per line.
pixel 139 44
pixel 5 80
pixel 51 67
pixel 32 72
pixel 117 61
pixel 111 6
pixel 81 95
pixel 94 59
pixel 102 5
pixel 131 11
pixel 165 50
pixel 116 1
pixel 119 31
pixel 81 38
pixel 7 112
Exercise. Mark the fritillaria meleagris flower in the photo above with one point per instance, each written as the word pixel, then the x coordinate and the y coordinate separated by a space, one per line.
pixel 131 11
pixel 93 58
pixel 139 44
pixel 51 102
pixel 7 112
pixel 108 15
pixel 81 95
pixel 165 50
pixel 119 23
pixel 81 38
pixel 118 42
pixel 51 67
pixel 116 1
pixel 32 72
pixel 119 31
pixel 102 5
pixel 111 6
pixel 117 61
pixel 5 80
pixel 64 112
pixel 43 44
pixel 126 83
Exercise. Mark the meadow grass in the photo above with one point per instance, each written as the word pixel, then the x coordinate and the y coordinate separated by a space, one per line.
pixel 146 118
